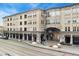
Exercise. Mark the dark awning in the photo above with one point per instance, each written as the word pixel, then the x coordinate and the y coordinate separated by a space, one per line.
pixel 51 29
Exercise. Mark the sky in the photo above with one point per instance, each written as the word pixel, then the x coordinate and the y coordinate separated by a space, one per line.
pixel 13 8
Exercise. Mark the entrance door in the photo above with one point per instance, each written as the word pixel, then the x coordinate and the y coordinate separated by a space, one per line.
pixel 25 36
pixel 76 40
pixel 67 39
pixel 30 37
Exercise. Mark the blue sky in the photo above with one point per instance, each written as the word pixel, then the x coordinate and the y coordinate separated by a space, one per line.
pixel 12 8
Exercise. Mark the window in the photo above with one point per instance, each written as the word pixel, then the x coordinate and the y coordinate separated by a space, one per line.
pixel 48 14
pixel 25 22
pixel 77 28
pixel 10 24
pixel 25 16
pixel 74 10
pixel 13 29
pixel 34 15
pixel 20 17
pixel 10 19
pixel 30 22
pixel 34 22
pixel 67 11
pixel 53 13
pixel 68 21
pixel 34 28
pixel 74 28
pixel 47 21
pixel 42 21
pixel 74 21
pixel 7 24
pixel 20 23
pixel 57 12
pixel 29 16
pixel 21 29
pixel 68 28
pixel 25 29
pixel 65 28
pixel 10 29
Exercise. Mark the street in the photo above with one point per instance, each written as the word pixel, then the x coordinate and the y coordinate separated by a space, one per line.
pixel 15 48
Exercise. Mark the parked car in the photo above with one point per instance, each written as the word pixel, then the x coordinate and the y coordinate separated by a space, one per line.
pixel 0 36
pixel 3 37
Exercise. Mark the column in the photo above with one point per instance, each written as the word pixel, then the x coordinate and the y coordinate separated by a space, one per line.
pixel 71 40
pixel 62 38
pixel 23 36
pixel 9 35
pixel 19 36
pixel 32 38
pixel 27 36
pixel 38 40
pixel 15 36
pixel 12 35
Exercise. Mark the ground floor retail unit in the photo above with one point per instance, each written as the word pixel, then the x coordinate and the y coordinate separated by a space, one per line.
pixel 65 37
pixel 70 38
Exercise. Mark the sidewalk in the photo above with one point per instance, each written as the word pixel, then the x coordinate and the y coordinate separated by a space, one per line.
pixel 64 48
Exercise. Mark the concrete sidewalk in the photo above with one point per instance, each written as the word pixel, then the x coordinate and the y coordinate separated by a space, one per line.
pixel 64 48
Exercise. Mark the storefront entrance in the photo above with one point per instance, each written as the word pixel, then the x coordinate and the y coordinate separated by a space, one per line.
pixel 52 34
pixel 67 39
pixel 76 40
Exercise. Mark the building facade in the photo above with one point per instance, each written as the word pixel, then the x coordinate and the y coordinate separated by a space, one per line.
pixel 1 30
pixel 59 24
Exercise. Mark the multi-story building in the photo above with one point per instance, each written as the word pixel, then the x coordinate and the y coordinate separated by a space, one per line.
pixel 60 24
pixel 1 30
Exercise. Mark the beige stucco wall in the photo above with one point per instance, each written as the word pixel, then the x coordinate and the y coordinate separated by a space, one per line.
pixel 63 18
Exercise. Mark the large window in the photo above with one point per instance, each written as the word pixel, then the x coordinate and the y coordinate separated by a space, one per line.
pixel 30 22
pixel 42 21
pixel 52 13
pixel 34 29
pixel 7 24
pixel 20 23
pixel 10 19
pixel 67 21
pixel 34 22
pixel 34 15
pixel 10 24
pixel 65 28
pixel 74 10
pixel 20 17
pixel 25 16
pixel 25 29
pixel 68 28
pixel 48 15
pixel 77 28
pixel 10 29
pixel 47 21
pixel 74 28
pixel 67 11
pixel 74 21
pixel 25 22
pixel 20 28
pixel 57 12
pixel 29 16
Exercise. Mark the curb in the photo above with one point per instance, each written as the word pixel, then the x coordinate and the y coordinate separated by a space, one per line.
pixel 48 48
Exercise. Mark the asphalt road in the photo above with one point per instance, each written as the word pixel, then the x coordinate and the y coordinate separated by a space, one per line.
pixel 15 48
